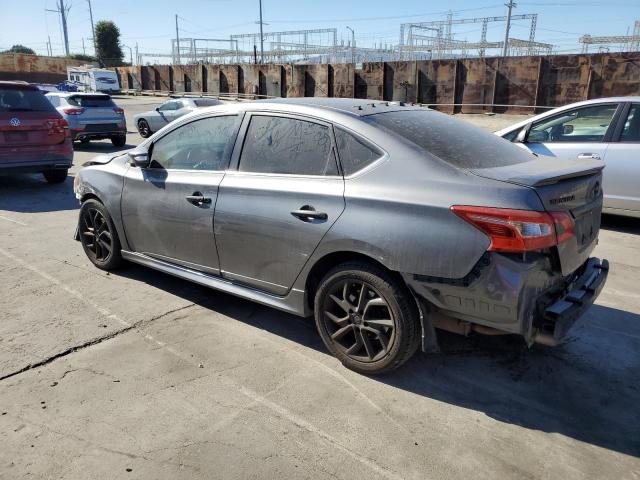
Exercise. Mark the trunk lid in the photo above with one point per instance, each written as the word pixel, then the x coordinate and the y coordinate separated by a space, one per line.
pixel 562 186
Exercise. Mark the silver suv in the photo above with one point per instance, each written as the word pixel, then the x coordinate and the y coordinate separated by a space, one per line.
pixel 382 220
pixel 91 116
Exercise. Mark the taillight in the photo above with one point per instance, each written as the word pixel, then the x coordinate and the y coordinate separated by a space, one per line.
pixel 118 110
pixel 56 126
pixel 73 111
pixel 518 230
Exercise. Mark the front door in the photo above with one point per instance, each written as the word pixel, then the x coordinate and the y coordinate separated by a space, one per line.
pixel 167 209
pixel 580 133
pixel 274 210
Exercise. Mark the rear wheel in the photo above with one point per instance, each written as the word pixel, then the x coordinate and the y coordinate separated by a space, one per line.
pixel 143 128
pixel 367 318
pixel 119 140
pixel 98 236
pixel 55 176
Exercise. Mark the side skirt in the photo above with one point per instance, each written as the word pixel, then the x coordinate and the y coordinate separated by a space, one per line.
pixel 293 302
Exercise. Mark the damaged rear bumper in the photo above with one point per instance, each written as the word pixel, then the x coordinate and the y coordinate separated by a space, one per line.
pixel 512 294
pixel 560 316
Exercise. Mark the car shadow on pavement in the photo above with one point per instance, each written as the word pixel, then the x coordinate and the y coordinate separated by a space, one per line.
pixel 100 147
pixel 621 224
pixel 587 389
pixel 32 194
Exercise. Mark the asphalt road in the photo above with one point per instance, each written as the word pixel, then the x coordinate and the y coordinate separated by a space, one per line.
pixel 136 374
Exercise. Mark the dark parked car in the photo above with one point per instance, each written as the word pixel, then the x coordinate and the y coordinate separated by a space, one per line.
pixel 382 220
pixel 33 135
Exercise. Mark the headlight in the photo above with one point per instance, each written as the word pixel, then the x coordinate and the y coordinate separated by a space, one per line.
pixel 76 186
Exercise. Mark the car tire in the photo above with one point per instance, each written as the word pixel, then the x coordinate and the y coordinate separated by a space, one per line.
pixel 55 176
pixel 104 253
pixel 143 128
pixel 84 141
pixel 371 332
pixel 119 140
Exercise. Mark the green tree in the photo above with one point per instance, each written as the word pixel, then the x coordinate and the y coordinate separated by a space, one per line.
pixel 108 48
pixel 82 56
pixel 20 49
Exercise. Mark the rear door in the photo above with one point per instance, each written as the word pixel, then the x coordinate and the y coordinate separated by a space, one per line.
pixel 622 172
pixel 167 209
pixel 581 133
pixel 28 125
pixel 274 209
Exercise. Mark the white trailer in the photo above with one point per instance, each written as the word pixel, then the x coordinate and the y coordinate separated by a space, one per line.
pixel 92 79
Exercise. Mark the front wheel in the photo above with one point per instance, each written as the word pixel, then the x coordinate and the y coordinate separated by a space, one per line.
pixel 98 236
pixel 367 318
pixel 55 176
pixel 119 141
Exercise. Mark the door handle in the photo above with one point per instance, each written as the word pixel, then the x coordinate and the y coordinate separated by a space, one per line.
pixel 198 199
pixel 589 156
pixel 307 212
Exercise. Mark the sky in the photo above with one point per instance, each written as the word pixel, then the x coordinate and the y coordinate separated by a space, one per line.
pixel 151 24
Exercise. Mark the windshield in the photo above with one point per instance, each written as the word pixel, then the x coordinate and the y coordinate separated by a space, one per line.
pixel 454 141
pixel 27 100
pixel 91 101
pixel 206 102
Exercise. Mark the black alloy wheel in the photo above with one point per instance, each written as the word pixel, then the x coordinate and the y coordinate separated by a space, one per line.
pixel 143 128
pixel 359 320
pixel 98 236
pixel 367 317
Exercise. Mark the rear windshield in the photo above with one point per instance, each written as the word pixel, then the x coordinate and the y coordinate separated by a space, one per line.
pixel 17 100
pixel 206 102
pixel 91 101
pixel 454 141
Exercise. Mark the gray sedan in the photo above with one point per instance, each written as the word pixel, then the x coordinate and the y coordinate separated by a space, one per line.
pixel 154 120
pixel 606 130
pixel 384 221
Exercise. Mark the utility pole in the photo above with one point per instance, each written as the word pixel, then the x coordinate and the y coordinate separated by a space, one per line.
pixel 177 42
pixel 505 47
pixel 93 28
pixel 353 45
pixel 62 10
pixel 84 51
pixel 137 56
pixel 49 50
pixel 261 36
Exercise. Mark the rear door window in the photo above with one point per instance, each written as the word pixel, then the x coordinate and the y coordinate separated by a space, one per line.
pixel 287 146
pixel 23 100
pixel 355 153
pixel 631 130
pixel 453 141
pixel 91 101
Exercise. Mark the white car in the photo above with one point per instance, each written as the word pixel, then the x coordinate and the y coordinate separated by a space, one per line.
pixel 606 129
pixel 153 120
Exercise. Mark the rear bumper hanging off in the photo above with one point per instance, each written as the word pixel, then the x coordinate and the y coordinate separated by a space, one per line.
pixel 560 316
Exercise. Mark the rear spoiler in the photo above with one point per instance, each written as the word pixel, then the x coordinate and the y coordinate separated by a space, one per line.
pixel 541 171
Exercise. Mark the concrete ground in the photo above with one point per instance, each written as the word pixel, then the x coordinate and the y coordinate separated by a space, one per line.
pixel 136 374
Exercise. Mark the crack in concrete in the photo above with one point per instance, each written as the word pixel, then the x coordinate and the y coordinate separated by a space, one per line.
pixel 91 342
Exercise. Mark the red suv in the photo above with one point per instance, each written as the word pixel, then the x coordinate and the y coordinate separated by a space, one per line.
pixel 33 135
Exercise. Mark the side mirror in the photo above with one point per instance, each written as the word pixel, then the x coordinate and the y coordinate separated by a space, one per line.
pixel 139 158
pixel 157 109
pixel 522 134
pixel 567 129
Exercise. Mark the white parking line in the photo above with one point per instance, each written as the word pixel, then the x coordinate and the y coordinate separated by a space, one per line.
pixel 13 221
